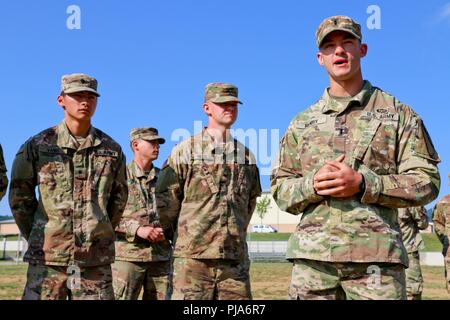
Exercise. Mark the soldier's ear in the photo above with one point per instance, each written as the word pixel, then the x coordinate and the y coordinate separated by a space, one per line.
pixel 207 108
pixel 134 144
pixel 60 101
pixel 363 50
pixel 320 58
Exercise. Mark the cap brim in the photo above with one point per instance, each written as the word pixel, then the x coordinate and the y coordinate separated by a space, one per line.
pixel 73 90
pixel 225 99
pixel 338 29
pixel 160 140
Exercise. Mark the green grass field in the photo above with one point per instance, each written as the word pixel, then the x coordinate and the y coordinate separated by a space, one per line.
pixel 268 236
pixel 270 281
pixel 431 243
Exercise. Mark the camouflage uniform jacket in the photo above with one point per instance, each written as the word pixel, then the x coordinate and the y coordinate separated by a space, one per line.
pixel 82 194
pixel 382 139
pixel 210 191
pixel 412 220
pixel 140 211
pixel 441 220
pixel 3 177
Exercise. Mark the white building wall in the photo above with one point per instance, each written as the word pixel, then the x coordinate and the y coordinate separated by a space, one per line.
pixel 281 220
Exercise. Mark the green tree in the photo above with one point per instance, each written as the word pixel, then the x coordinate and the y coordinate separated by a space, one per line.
pixel 262 206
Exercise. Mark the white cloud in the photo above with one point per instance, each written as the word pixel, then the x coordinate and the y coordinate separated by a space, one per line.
pixel 444 13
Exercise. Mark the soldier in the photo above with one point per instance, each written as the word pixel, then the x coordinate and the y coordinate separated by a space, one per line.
pixel 411 221
pixel 81 179
pixel 3 177
pixel 143 253
pixel 346 164
pixel 441 220
pixel 211 183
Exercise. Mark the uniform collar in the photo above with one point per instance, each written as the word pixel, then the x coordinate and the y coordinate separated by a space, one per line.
pixel 66 140
pixel 212 147
pixel 139 173
pixel 331 104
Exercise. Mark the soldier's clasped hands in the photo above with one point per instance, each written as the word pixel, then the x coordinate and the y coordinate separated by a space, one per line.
pixel 150 233
pixel 337 179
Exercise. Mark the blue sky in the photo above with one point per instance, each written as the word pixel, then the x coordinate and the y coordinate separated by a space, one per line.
pixel 154 58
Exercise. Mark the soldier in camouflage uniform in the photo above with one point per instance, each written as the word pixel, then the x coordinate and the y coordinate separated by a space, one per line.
pixel 3 177
pixel 345 165
pixel 143 253
pixel 441 220
pixel 411 221
pixel 81 179
pixel 210 183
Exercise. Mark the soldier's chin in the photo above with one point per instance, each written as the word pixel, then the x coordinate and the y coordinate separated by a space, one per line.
pixel 229 120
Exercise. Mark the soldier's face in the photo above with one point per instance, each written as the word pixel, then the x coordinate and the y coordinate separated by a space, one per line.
pixel 78 105
pixel 223 114
pixel 341 53
pixel 146 149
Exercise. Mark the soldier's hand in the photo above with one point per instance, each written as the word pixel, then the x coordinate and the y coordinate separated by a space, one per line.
pixel 156 235
pixel 342 182
pixel 150 233
pixel 325 169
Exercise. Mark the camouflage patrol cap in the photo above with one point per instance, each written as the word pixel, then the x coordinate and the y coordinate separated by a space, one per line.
pixel 78 82
pixel 221 92
pixel 148 134
pixel 335 23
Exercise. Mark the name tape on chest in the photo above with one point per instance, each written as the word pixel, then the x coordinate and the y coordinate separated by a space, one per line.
pixel 107 153
pixel 311 122
pixel 51 150
pixel 380 114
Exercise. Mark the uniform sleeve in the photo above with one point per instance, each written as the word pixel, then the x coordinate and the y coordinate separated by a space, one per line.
pixel 22 195
pixel 439 223
pixel 417 180
pixel 169 194
pixel 255 191
pixel 292 190
pixel 3 177
pixel 119 193
pixel 128 226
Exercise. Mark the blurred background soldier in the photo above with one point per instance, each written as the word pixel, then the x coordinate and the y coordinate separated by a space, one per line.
pixel 142 251
pixel 81 179
pixel 211 183
pixel 441 220
pixel 411 221
pixel 3 177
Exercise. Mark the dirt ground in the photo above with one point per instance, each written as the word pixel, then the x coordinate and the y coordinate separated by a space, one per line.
pixel 270 281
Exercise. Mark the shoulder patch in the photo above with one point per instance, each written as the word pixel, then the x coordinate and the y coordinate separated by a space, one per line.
pixel 424 145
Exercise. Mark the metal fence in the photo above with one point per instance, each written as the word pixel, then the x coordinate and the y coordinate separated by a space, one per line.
pixel 258 250
pixel 12 249
pixel 267 250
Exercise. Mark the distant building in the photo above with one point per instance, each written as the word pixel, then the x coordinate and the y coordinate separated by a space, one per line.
pixel 280 220
pixel 9 228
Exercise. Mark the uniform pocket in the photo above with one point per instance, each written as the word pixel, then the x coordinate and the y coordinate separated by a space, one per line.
pixel 102 175
pixel 202 182
pixel 51 170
